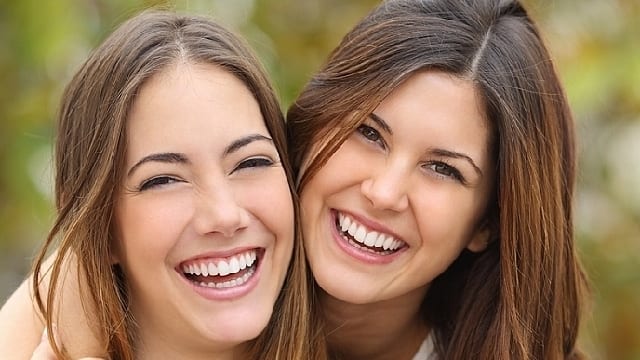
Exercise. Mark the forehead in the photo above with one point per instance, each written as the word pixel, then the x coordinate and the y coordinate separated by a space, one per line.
pixel 437 96
pixel 439 109
pixel 191 105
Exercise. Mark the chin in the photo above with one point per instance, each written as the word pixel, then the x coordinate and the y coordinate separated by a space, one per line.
pixel 343 291
pixel 238 327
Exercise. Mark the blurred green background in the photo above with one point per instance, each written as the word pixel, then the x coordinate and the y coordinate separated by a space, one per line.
pixel 595 43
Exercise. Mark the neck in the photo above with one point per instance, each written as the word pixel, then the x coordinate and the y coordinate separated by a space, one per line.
pixel 166 345
pixel 389 329
pixel 165 350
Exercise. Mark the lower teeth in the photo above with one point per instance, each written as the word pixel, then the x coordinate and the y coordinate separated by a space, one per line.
pixel 231 283
pixel 364 247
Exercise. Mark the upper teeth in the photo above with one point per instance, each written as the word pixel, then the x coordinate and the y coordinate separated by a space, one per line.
pixel 365 236
pixel 223 267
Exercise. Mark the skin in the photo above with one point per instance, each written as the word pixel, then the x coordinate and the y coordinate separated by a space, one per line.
pixel 413 188
pixel 199 157
pixel 426 183
pixel 204 203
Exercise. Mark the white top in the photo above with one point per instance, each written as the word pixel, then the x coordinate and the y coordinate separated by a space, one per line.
pixel 426 350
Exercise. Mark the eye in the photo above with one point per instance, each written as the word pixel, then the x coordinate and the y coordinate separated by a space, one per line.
pixel 254 162
pixel 371 134
pixel 441 168
pixel 156 182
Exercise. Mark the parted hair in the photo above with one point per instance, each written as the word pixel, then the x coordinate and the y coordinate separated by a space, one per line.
pixel 522 297
pixel 89 160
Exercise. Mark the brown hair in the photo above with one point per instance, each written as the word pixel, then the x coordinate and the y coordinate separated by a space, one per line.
pixel 89 159
pixel 521 298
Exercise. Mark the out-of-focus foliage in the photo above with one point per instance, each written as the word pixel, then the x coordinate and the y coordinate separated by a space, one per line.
pixel 596 46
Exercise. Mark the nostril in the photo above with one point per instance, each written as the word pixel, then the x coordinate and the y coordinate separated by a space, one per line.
pixel 385 193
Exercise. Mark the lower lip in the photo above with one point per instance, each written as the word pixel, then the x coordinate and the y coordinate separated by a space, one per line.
pixel 363 256
pixel 231 293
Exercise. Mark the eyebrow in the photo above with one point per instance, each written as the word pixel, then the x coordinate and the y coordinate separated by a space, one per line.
pixel 380 121
pixel 244 141
pixel 178 158
pixel 171 158
pixel 457 155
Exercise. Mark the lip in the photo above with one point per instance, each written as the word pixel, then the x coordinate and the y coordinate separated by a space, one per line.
pixel 360 255
pixel 220 254
pixel 225 294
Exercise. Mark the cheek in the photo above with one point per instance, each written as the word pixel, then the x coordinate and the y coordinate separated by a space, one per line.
pixel 270 201
pixel 340 170
pixel 148 228
pixel 447 220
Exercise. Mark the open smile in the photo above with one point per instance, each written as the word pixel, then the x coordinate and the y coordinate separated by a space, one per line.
pixel 364 239
pixel 229 274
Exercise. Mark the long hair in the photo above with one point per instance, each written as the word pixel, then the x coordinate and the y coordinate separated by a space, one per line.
pixel 521 298
pixel 89 162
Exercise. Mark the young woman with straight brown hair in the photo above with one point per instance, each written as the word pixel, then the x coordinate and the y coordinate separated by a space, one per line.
pixel 435 159
pixel 167 137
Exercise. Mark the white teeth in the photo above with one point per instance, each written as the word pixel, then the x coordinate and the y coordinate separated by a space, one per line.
pixel 234 265
pixel 352 228
pixel 345 222
pixel 387 243
pixel 360 234
pixel 223 268
pixel 369 238
pixel 379 240
pixel 230 283
pixel 213 269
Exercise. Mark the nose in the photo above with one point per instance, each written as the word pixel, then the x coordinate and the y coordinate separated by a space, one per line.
pixel 218 211
pixel 387 189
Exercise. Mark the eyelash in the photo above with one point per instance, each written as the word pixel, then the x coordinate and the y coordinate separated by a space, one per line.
pixel 165 180
pixel 156 182
pixel 446 170
pixel 254 163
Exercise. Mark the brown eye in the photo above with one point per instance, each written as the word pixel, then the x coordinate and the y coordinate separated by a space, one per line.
pixel 371 135
pixel 369 132
pixel 445 170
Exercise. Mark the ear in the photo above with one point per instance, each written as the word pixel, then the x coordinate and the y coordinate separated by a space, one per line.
pixel 480 239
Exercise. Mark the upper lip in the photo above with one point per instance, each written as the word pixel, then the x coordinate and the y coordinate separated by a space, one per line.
pixel 221 254
pixel 371 224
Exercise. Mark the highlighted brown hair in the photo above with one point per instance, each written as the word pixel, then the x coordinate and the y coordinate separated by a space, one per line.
pixel 89 161
pixel 522 297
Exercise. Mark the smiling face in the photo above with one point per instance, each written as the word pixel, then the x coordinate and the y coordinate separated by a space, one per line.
pixel 403 195
pixel 204 220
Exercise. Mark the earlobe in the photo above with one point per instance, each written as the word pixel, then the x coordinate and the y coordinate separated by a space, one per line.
pixel 480 240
